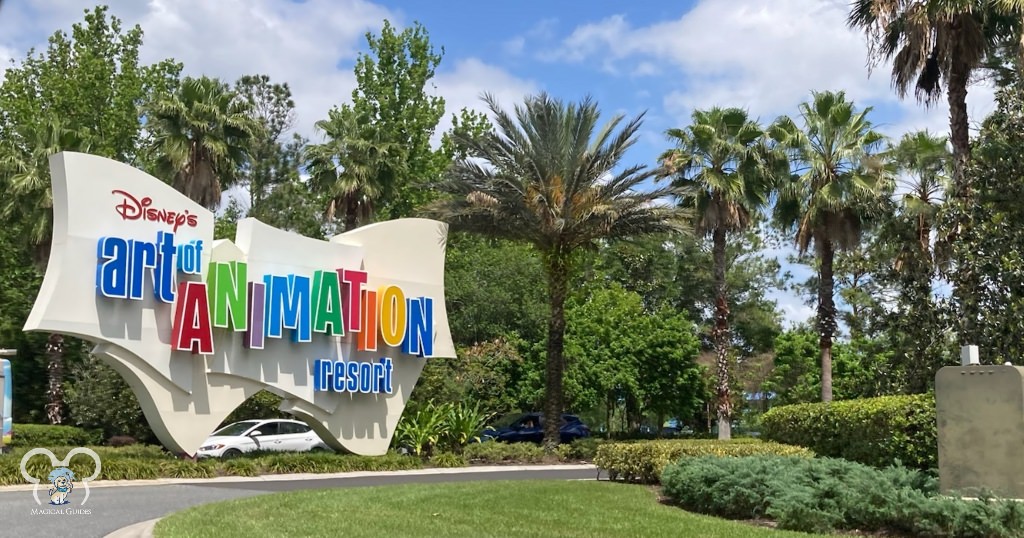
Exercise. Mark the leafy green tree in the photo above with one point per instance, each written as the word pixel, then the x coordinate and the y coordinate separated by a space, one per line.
pixel 838 183
pixel 391 99
pixel 992 248
pixel 620 355
pixel 93 387
pixel 91 81
pixel 270 161
pixel 724 173
pixel 81 94
pixel 553 180
pixel 494 288
pixel 203 133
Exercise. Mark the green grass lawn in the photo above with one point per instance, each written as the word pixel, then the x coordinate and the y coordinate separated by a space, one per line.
pixel 511 508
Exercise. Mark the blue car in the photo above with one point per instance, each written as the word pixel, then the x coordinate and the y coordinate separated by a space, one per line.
pixel 529 428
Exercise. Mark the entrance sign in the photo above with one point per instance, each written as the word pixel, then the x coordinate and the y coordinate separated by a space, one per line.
pixel 339 328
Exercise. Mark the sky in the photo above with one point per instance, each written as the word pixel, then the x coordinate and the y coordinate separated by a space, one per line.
pixel 662 59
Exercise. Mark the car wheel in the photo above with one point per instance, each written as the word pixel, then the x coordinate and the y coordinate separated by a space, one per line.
pixel 318 450
pixel 231 453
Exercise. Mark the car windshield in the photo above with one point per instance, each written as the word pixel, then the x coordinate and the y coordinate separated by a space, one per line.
pixel 507 420
pixel 237 428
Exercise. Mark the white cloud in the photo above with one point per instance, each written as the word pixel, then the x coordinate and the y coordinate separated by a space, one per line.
pixel 464 86
pixel 311 45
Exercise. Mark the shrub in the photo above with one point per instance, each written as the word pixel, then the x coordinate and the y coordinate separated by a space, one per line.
pixel 120 440
pixel 422 430
pixel 498 452
pixel 879 431
pixel 44 435
pixel 448 459
pixel 644 461
pixel 462 425
pixel 827 494
pixel 579 450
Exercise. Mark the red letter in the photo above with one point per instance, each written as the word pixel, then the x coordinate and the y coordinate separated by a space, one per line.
pixel 352 285
pixel 191 329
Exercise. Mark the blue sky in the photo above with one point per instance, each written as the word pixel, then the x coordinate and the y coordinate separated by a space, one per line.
pixel 665 58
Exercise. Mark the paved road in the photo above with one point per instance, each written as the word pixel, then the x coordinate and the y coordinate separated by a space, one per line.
pixel 111 508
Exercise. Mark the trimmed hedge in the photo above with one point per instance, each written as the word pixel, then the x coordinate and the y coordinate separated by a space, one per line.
pixel 144 462
pixel 824 495
pixel 41 435
pixel 879 431
pixel 644 461
pixel 140 462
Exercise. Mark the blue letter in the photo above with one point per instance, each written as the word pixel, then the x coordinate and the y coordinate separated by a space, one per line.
pixel 112 275
pixel 165 286
pixel 419 331
pixel 143 257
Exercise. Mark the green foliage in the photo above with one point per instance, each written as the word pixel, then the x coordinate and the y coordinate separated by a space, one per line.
pixel 494 452
pixel 824 495
pixel 584 449
pixel 447 459
pixel 463 425
pixel 619 352
pixel 140 462
pixel 989 271
pixel 94 385
pixel 45 435
pixel 644 461
pixel 494 289
pixel 879 431
pixel 391 97
pixel 859 368
pixel 422 429
pixel 262 405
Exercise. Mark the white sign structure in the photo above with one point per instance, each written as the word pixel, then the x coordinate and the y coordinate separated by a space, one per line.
pixel 340 329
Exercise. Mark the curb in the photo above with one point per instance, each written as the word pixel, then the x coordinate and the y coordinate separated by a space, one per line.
pixel 319 476
pixel 143 529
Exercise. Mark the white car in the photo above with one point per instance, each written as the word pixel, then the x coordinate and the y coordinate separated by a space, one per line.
pixel 278 435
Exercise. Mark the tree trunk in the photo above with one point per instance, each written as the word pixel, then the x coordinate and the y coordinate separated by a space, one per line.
pixel 960 137
pixel 826 316
pixel 55 373
pixel 720 337
pixel 351 211
pixel 558 276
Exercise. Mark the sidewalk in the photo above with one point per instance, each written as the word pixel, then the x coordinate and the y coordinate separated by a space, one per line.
pixel 320 476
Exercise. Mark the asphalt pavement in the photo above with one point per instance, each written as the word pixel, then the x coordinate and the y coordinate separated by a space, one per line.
pixel 114 507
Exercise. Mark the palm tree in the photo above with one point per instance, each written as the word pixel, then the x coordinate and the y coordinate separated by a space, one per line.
pixel 202 133
pixel 25 174
pixel 922 159
pixel 936 43
pixel 550 175
pixel 349 167
pixel 725 175
pixel 839 179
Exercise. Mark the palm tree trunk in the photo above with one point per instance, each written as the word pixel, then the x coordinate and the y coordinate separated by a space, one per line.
pixel 351 212
pixel 720 336
pixel 826 316
pixel 558 277
pixel 959 129
pixel 55 372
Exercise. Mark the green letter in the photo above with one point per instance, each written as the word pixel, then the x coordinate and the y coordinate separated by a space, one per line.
pixel 327 303
pixel 226 285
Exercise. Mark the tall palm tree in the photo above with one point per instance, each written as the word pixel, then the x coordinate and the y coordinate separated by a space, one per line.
pixel 202 133
pixel 725 174
pixel 25 176
pixel 349 167
pixel 936 43
pixel 550 176
pixel 839 179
